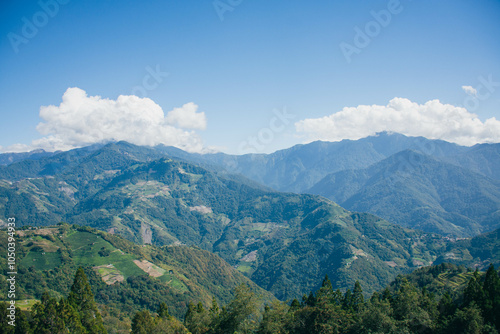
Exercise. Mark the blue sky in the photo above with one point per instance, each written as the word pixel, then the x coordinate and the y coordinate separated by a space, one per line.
pixel 234 65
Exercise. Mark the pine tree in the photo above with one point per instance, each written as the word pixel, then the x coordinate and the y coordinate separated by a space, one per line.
pixel 22 324
pixel 387 295
pixel 189 317
pixel 70 317
pixel 327 283
pixel 491 288
pixel 326 290
pixel 82 299
pixel 295 305
pixel 347 300
pixel 142 323
pixel 239 315
pixel 474 291
pixel 376 317
pixel 275 319
pixel 446 309
pixel 197 319
pixel 163 311
pixel 357 300
pixel 309 300
pixel 467 321
pixel 46 317
pixel 214 309
pixel 337 297
pixel 408 311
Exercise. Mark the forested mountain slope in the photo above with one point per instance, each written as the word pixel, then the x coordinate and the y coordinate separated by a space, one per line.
pixel 418 191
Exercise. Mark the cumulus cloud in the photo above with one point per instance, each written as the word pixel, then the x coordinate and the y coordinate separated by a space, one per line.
pixel 82 120
pixel 433 120
pixel 470 90
pixel 187 117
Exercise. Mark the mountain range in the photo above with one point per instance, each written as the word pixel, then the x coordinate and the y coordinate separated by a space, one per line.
pixel 432 185
pixel 285 242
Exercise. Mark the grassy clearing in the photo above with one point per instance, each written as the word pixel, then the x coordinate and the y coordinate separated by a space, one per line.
pixel 172 281
pixel 110 274
pixel 26 304
pixel 41 260
pixel 87 248
pixel 245 268
pixel 262 227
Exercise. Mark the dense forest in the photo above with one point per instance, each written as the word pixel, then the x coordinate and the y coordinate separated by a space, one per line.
pixel 163 241
pixel 403 307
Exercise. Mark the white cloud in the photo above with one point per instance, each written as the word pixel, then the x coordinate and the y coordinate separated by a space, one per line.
pixel 470 90
pixel 432 120
pixel 187 118
pixel 82 120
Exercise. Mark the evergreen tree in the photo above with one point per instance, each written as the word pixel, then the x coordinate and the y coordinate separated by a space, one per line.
pixel 190 317
pixel 46 317
pixel 347 300
pixel 491 305
pixel 163 311
pixel 82 299
pixel 310 300
pixel 22 324
pixel 275 319
pixel 467 321
pixel 446 309
pixel 240 315
pixel 474 291
pixel 376 317
pixel 357 300
pixel 387 295
pixel 327 284
pixel 330 318
pixel 168 326
pixel 408 311
pixel 295 305
pixel 4 321
pixel 197 319
pixel 214 309
pixel 70 317
pixel 326 291
pixel 337 297
pixel 142 323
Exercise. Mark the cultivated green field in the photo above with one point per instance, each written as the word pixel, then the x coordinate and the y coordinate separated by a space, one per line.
pixel 86 247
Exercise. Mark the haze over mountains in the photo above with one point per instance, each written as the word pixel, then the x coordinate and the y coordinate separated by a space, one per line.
pixel 285 242
pixel 431 185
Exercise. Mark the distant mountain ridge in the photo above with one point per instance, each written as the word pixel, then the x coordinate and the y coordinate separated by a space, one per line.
pixel 10 158
pixel 418 191
pixel 298 168
pixel 284 242
pixel 333 170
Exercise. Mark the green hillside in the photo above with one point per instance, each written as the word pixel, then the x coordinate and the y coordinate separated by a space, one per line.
pixel 418 191
pixel 125 277
pixel 284 242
